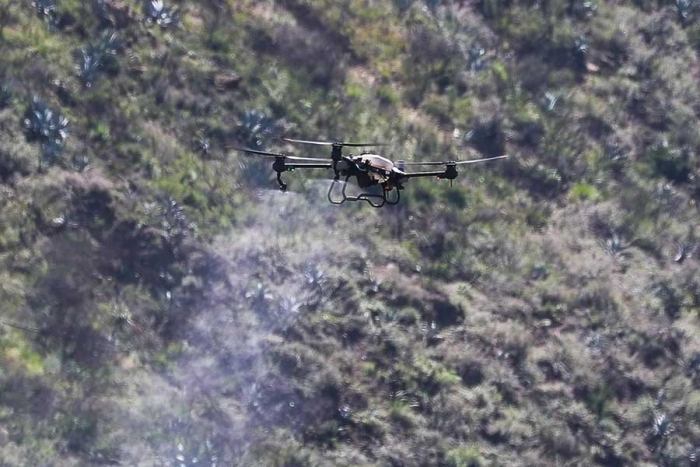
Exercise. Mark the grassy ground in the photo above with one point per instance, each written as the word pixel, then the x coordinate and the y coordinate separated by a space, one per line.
pixel 162 304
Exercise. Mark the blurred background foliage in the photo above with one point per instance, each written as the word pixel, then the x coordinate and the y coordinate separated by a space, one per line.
pixel 162 304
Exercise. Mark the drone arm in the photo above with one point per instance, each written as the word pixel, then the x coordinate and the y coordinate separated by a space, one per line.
pixel 432 173
pixel 449 174
pixel 292 167
pixel 281 166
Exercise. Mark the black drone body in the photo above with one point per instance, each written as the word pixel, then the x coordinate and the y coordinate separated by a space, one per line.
pixel 369 170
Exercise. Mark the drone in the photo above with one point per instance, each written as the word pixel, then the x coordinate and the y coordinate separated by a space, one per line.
pixel 369 169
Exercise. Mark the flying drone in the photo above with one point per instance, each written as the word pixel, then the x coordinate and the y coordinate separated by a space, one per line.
pixel 369 169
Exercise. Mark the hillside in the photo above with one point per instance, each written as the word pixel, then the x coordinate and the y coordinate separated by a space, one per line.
pixel 163 304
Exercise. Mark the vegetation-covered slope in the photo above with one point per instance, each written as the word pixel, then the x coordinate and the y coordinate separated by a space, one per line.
pixel 162 304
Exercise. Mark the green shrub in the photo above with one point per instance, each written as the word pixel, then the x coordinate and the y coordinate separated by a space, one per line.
pixel 663 160
pixel 387 96
pixel 537 216
pixel 528 30
pixel 17 157
pixel 584 192
pixel 492 9
pixel 465 456
pixel 455 197
pixel 488 137
pixel 599 400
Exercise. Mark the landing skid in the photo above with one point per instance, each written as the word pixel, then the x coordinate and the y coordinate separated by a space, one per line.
pixel 374 200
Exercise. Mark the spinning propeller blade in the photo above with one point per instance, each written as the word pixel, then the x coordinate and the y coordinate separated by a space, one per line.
pixel 275 154
pixel 473 161
pixel 255 151
pixel 327 143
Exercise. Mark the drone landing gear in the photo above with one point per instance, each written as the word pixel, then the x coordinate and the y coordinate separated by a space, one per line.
pixel 283 186
pixel 374 200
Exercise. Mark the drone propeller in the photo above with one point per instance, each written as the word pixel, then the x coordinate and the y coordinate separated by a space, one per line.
pixel 473 161
pixel 328 143
pixel 275 155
